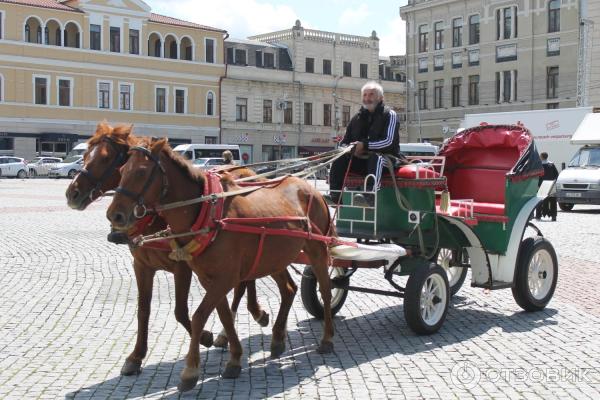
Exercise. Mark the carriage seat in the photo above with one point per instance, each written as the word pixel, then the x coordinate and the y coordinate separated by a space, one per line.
pixel 412 175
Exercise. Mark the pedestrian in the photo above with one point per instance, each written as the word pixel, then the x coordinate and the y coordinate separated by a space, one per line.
pixel 547 208
pixel 373 131
pixel 228 158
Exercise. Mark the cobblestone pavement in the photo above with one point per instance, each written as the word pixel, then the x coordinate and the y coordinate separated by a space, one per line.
pixel 68 320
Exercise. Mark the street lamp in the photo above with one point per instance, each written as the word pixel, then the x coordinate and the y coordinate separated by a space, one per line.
pixel 412 84
pixel 335 106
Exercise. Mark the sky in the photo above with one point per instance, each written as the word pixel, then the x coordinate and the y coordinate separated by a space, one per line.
pixel 243 18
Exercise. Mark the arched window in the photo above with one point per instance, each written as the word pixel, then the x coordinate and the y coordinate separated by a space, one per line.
pixel 27 33
pixel 157 48
pixel 210 103
pixel 39 35
pixel 553 16
pixel 46 35
pixel 58 37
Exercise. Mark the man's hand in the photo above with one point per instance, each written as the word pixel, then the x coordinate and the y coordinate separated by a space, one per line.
pixel 359 148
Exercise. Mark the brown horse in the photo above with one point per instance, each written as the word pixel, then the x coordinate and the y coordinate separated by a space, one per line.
pixel 106 154
pixel 232 256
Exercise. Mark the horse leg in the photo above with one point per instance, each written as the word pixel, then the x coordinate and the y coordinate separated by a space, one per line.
pixel 237 297
pixel 213 297
pixel 183 280
pixel 234 366
pixel 144 278
pixel 259 315
pixel 287 292
pixel 317 253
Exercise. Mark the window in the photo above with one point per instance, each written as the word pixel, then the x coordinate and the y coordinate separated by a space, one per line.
pixel 553 16
pixel 95 37
pixel 180 100
pixel 115 39
pixel 347 68
pixel 326 67
pixel 456 60
pixel 364 71
pixel 506 86
pixel 46 36
pixel 209 47
pixel 240 57
pixel 241 109
pixel 474 90
pixel 310 65
pixel 438 28
pixel 39 35
pixel 552 83
pixel 210 140
pixel 104 94
pixel 423 45
pixel 326 114
pixel 552 106
pixel 210 103
pixel 230 53
pixel 345 115
pixel 423 65
pixel 473 58
pixel 64 92
pixel 161 99
pixel 438 88
pixel 288 113
pixel 268 111
pixel 474 29
pixel 7 144
pixel 269 60
pixel 41 90
pixel 27 33
pixel 457 26
pixel 57 37
pixel 125 96
pixel 438 62
pixel 506 23
pixel 134 41
pixel 307 113
pixel 1 28
pixel 456 86
pixel 422 95
pixel 258 55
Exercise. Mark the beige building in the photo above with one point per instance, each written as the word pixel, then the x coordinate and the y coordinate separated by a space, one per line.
pixel 290 93
pixel 479 56
pixel 65 65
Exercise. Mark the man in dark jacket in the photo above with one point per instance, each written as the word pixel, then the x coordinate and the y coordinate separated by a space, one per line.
pixel 373 131
pixel 548 206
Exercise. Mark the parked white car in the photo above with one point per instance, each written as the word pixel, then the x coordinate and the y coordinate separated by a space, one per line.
pixel 40 166
pixel 207 163
pixel 13 166
pixel 67 169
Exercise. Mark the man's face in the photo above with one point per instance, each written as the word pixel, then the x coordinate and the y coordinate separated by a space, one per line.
pixel 370 99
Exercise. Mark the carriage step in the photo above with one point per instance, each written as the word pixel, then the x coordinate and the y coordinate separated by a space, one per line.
pixel 495 285
pixel 375 291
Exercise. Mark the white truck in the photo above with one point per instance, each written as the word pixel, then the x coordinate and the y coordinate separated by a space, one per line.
pixel 580 182
pixel 552 129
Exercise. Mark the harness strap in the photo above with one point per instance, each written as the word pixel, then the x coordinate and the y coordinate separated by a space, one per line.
pixel 259 252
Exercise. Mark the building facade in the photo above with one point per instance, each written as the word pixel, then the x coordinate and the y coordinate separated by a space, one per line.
pixel 291 93
pixel 479 56
pixel 65 65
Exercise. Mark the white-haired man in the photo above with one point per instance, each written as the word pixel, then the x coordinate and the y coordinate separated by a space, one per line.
pixel 373 131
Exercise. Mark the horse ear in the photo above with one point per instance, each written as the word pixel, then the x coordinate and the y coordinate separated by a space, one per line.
pixel 103 128
pixel 157 145
pixel 123 130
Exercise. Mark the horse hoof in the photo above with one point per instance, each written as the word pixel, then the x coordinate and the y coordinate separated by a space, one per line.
pixel 325 348
pixel 277 349
pixel 206 339
pixel 263 320
pixel 221 342
pixel 187 384
pixel 231 372
pixel 131 368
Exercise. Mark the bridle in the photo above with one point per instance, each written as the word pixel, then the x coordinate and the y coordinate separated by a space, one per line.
pixel 117 162
pixel 140 210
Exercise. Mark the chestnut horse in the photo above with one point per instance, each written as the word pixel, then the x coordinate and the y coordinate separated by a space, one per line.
pixel 232 256
pixel 106 154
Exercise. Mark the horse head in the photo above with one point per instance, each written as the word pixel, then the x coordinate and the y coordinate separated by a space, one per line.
pixel 106 153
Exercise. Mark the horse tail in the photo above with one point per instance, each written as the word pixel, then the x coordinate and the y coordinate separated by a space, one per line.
pixel 330 223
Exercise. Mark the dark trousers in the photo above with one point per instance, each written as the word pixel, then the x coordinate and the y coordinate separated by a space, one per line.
pixel 372 165
pixel 546 208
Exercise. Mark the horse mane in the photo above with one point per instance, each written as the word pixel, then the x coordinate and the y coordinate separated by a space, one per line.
pixel 121 134
pixel 195 174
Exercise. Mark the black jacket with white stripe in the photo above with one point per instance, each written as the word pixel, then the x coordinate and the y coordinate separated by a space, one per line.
pixel 377 130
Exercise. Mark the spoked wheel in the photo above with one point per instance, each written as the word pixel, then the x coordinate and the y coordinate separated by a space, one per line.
pixel 311 296
pixel 426 299
pixel 449 260
pixel 536 274
pixel 566 206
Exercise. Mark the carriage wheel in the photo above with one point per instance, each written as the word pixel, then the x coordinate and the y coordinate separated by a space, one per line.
pixel 426 299
pixel 566 206
pixel 446 258
pixel 536 274
pixel 311 296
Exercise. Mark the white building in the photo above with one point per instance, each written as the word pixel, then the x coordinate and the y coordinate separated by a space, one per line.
pixel 290 93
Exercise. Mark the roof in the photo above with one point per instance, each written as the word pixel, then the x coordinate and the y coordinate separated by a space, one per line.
pixel 163 19
pixel 52 4
pixel 256 43
pixel 587 132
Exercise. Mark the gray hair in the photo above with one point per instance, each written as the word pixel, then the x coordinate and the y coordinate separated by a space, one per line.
pixel 372 85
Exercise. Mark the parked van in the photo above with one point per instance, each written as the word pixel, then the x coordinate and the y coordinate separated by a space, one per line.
pixel 193 152
pixel 580 182
pixel 418 149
